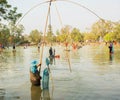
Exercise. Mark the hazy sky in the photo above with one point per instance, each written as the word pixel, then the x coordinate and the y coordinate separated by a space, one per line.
pixel 70 14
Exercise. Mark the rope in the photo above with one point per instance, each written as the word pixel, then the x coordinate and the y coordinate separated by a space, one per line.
pixel 30 11
pixel 59 16
pixel 81 6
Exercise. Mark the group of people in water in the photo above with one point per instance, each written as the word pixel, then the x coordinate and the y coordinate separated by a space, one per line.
pixel 52 55
pixel 35 70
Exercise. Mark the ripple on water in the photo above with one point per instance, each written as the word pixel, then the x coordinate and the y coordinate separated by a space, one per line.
pixel 2 93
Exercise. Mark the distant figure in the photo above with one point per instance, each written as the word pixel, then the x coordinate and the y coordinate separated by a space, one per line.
pixel 66 44
pixel 51 51
pixel 38 47
pixel 14 47
pixel 74 45
pixel 52 58
pixel 54 52
pixel 3 47
pixel 0 48
pixel 111 48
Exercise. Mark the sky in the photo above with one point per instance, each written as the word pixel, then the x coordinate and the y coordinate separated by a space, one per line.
pixel 66 13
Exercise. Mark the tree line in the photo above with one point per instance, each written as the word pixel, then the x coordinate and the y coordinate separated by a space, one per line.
pixel 102 30
pixel 11 33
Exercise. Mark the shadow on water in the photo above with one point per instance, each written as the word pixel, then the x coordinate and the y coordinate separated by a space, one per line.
pixel 38 94
pixel 93 76
pixel 14 53
pixel 52 60
pixel 111 57
pixel 2 93
pixel 46 94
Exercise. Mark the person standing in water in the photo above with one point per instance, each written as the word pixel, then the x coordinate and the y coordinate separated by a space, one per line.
pixel 0 48
pixel 39 45
pixel 50 51
pixel 14 47
pixel 111 48
pixel 46 72
pixel 35 77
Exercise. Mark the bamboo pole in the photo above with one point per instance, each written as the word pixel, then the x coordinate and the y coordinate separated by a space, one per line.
pixel 76 3
pixel 67 56
pixel 30 11
pixel 59 16
pixel 41 56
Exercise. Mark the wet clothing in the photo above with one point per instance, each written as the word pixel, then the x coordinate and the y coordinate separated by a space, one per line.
pixel 111 48
pixel 45 81
pixel 50 51
pixel 47 62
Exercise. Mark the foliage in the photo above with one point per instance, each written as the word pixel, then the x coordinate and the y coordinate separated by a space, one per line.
pixel 109 37
pixel 49 34
pixel 8 29
pixel 102 27
pixel 35 36
pixel 117 31
pixel 8 13
pixel 90 36
pixel 4 6
pixel 76 36
pixel 4 35
pixel 110 32
pixel 65 34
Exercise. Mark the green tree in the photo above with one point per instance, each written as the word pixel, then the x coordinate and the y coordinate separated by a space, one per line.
pixel 4 34
pixel 49 34
pixel 102 27
pixel 4 6
pixel 117 31
pixel 90 36
pixel 16 32
pixel 76 36
pixel 110 37
pixel 9 15
pixel 35 36
pixel 65 34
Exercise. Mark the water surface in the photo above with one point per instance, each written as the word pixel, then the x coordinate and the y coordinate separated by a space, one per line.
pixel 95 74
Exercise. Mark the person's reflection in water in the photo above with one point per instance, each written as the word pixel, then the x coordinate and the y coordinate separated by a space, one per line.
pixel 36 92
pixel 14 52
pixel 2 94
pixel 52 60
pixel 46 94
pixel 111 58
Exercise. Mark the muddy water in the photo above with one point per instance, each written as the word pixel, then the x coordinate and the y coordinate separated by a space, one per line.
pixel 94 75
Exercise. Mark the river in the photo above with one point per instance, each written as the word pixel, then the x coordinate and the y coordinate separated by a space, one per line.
pixel 90 73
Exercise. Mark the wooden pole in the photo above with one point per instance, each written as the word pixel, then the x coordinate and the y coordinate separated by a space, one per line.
pixel 41 55
pixel 68 61
pixel 30 11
